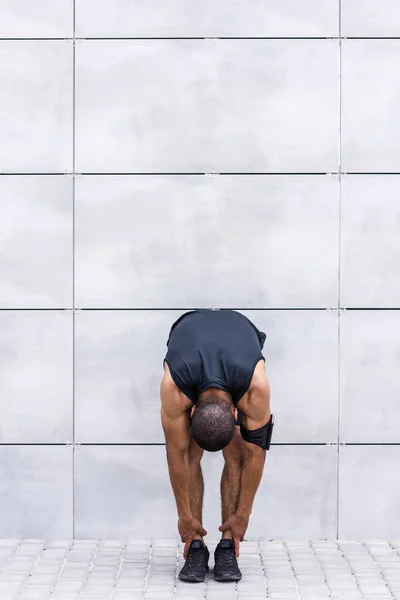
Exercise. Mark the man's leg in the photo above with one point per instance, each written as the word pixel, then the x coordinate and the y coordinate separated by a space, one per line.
pixel 230 481
pixel 196 486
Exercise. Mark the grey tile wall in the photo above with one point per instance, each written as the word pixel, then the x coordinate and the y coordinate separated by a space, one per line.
pixel 36 491
pixel 370 96
pixel 123 492
pixel 143 177
pixel 370 385
pixel 368 18
pixel 195 106
pixel 26 19
pixel 36 106
pixel 271 241
pixel 369 492
pixel 205 18
pixel 36 377
pixel 370 240
pixel 36 241
pixel 119 356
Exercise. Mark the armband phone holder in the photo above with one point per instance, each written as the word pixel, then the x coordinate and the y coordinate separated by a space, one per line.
pixel 261 437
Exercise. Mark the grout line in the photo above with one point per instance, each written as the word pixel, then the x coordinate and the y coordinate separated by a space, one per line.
pixel 31 570
pixel 73 425
pixel 376 37
pixel 374 308
pixel 156 444
pixel 370 173
pixel 264 569
pixel 206 38
pixel 292 568
pixel 203 173
pixel 9 560
pixel 36 39
pixel 91 565
pixel 37 174
pixel 118 575
pixel 192 174
pixel 164 38
pixel 350 568
pixel 321 566
pixel 148 571
pixel 73 266
pixel 62 566
pixel 199 308
pixel 338 430
pixel 210 37
pixel 31 309
pixel 340 165
pixel 74 19
pixel 169 309
pixel 339 277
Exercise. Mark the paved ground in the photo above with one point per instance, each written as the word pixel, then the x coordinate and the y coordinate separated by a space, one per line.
pixel 144 570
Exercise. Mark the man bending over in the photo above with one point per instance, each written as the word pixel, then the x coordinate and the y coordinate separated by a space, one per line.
pixel 215 396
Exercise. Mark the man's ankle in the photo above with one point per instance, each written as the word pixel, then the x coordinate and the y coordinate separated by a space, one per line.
pixel 227 535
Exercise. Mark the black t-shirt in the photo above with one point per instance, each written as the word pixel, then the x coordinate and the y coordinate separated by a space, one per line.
pixel 214 348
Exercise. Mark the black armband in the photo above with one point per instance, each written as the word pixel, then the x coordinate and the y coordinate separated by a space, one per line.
pixel 261 437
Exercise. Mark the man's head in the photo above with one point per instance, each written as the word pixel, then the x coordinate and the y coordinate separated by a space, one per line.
pixel 213 423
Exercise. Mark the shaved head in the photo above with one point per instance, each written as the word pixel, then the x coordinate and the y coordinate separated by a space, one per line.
pixel 213 423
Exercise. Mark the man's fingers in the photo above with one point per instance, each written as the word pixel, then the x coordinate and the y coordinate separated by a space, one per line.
pixel 237 546
pixel 186 549
pixel 201 531
pixel 224 527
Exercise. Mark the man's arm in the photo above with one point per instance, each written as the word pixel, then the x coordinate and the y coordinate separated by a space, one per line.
pixel 175 422
pixel 253 467
pixel 177 446
pixel 256 416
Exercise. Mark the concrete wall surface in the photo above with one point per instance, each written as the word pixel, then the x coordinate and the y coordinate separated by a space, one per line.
pixel 163 155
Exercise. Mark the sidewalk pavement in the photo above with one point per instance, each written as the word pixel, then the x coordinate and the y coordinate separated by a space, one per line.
pixel 147 570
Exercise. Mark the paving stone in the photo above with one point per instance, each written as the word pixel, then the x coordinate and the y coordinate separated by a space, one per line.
pixel 9 588
pixel 191 594
pixel 68 586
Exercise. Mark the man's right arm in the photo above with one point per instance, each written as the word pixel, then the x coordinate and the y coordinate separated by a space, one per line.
pixel 176 431
pixel 175 422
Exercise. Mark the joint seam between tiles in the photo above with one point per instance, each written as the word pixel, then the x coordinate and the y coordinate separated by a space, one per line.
pixel 73 263
pixel 339 281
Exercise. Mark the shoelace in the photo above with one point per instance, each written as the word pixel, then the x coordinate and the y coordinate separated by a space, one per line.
pixel 226 557
pixel 196 558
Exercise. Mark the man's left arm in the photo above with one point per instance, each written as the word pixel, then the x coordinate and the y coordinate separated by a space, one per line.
pixel 258 415
pixel 253 467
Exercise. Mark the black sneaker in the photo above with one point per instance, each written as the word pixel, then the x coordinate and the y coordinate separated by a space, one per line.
pixel 196 564
pixel 226 567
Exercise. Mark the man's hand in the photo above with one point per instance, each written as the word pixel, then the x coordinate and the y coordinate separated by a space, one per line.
pixel 237 524
pixel 188 529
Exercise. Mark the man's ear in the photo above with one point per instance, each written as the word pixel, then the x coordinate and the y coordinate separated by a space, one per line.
pixel 235 413
pixel 192 411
